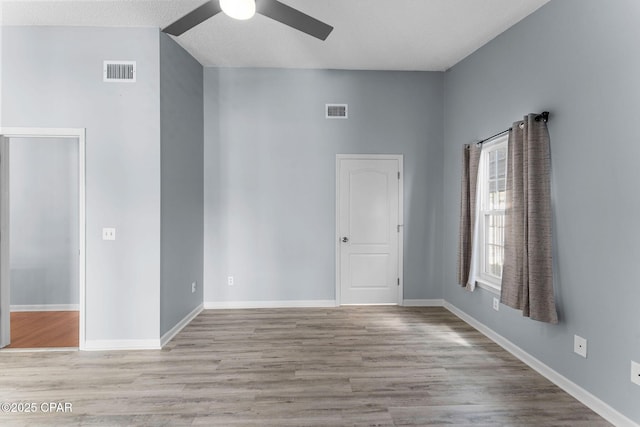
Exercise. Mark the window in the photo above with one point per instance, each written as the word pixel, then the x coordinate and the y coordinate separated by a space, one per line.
pixel 492 183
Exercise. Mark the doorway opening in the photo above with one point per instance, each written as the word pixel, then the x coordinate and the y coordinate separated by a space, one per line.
pixel 42 238
pixel 369 229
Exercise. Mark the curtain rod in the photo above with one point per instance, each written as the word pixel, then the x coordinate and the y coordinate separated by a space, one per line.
pixel 544 116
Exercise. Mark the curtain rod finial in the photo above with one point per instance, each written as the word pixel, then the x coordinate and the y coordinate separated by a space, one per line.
pixel 544 117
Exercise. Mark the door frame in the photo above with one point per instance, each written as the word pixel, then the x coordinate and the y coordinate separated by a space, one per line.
pixel 5 294
pixel 80 135
pixel 400 159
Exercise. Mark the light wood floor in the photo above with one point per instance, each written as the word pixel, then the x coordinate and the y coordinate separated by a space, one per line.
pixel 39 329
pixel 356 366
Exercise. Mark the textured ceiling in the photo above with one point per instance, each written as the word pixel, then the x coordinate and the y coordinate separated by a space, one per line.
pixel 429 35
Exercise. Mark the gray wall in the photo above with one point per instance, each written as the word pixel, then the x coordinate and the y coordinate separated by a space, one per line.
pixel 52 77
pixel 181 136
pixel 44 221
pixel 577 59
pixel 270 176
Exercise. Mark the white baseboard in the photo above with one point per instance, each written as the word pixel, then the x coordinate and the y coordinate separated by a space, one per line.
pixel 221 305
pixel 423 303
pixel 598 406
pixel 46 307
pixel 148 344
pixel 108 345
pixel 168 336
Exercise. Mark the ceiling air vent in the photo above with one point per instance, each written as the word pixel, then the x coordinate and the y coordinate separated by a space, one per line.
pixel 119 71
pixel 336 111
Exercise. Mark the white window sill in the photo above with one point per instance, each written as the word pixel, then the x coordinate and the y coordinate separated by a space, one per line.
pixel 488 286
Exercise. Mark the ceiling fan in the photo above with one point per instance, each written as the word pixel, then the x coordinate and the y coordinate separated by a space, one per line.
pixel 245 9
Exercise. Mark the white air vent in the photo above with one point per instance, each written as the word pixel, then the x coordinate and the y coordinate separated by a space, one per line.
pixel 336 111
pixel 119 71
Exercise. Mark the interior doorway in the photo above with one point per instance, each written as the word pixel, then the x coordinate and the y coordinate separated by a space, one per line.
pixel 369 213
pixel 42 249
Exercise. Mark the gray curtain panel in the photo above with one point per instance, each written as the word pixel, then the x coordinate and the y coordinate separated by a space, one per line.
pixel 527 278
pixel 470 164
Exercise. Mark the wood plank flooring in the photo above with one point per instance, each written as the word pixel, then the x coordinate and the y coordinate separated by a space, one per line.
pixel 350 366
pixel 41 329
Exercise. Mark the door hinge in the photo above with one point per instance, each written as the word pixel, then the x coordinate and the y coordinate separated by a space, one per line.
pixel 398 174
pixel 398 281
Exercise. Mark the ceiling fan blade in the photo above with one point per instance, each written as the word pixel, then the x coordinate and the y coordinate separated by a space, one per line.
pixel 293 18
pixel 193 18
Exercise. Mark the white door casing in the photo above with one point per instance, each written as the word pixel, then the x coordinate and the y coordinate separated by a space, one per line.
pixel 5 135
pixel 369 229
pixel 5 296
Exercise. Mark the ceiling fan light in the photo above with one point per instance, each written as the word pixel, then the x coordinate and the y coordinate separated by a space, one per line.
pixel 238 9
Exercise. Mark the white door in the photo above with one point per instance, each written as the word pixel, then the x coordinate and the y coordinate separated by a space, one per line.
pixel 369 227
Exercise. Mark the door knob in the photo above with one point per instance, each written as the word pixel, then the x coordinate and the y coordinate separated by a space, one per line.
pixel 345 239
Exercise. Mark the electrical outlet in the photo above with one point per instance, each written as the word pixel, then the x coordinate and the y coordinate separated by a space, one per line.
pixel 193 287
pixel 108 234
pixel 635 372
pixel 496 304
pixel 580 346
pixel 230 280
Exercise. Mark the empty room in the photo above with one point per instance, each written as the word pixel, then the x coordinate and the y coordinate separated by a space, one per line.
pixel 319 213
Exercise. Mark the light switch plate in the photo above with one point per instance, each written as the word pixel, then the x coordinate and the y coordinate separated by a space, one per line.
pixel 108 234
